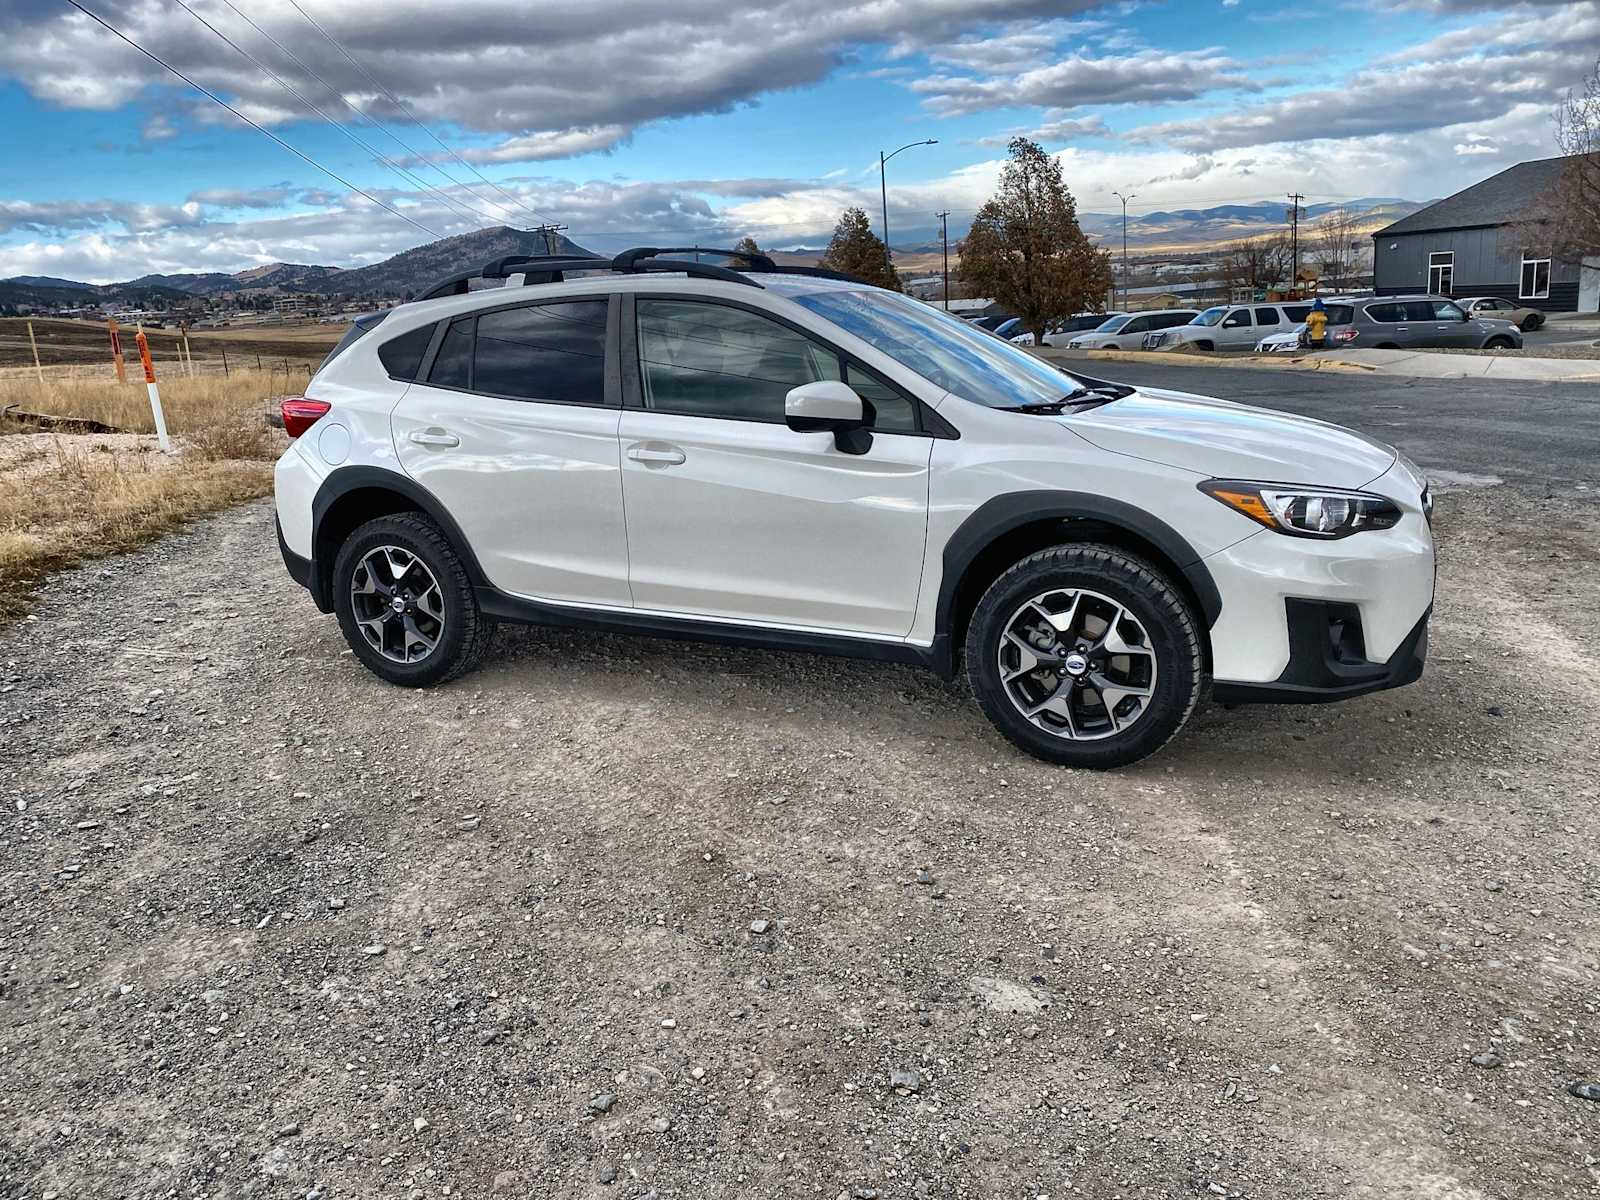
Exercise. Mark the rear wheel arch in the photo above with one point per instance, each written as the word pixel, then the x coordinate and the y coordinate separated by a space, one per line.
pixel 1007 529
pixel 352 496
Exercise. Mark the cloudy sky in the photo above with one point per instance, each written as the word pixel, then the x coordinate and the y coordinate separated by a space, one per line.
pixel 643 120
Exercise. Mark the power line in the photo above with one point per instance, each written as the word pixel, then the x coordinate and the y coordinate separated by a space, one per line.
pixel 470 211
pixel 367 117
pixel 402 106
pixel 156 58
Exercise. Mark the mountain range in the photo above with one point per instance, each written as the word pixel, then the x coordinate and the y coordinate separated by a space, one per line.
pixel 1194 230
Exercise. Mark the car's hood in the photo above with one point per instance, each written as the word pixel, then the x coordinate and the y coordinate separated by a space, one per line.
pixel 1225 440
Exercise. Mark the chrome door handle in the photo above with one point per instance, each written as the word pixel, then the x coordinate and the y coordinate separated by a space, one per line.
pixel 646 454
pixel 433 437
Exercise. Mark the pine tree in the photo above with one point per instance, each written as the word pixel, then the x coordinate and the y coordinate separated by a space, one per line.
pixel 857 251
pixel 1025 248
pixel 746 245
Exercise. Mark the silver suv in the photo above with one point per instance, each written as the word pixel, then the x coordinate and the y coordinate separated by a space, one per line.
pixel 1230 326
pixel 1416 322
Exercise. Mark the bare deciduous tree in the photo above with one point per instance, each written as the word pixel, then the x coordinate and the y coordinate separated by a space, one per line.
pixel 1259 264
pixel 1336 239
pixel 1574 203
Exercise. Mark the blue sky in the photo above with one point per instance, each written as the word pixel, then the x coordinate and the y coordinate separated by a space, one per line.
pixel 707 119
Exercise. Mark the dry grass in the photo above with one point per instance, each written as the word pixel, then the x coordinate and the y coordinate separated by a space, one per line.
pixel 192 405
pixel 67 499
pixel 70 498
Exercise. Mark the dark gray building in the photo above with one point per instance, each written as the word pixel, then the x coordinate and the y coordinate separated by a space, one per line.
pixel 1483 242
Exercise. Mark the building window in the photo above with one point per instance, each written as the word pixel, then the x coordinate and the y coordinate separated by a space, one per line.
pixel 1441 272
pixel 1535 279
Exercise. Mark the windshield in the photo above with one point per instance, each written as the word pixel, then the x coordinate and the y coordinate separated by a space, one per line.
pixel 1210 317
pixel 1111 324
pixel 942 349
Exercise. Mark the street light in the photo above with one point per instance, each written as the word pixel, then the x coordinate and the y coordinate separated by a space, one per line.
pixel 1124 199
pixel 883 187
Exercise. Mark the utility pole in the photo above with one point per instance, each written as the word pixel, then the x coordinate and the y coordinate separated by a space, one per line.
pixel 944 235
pixel 883 191
pixel 549 232
pixel 1294 241
pixel 1124 199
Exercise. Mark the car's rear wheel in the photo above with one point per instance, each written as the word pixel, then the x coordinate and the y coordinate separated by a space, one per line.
pixel 1498 343
pixel 1085 655
pixel 406 604
pixel 1532 323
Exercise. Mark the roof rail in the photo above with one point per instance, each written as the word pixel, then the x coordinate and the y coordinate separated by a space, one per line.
pixel 551 268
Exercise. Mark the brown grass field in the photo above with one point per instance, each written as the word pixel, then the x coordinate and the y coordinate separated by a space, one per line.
pixel 68 498
pixel 85 345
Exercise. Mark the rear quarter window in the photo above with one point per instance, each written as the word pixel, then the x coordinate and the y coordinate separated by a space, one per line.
pixel 402 356
pixel 1341 314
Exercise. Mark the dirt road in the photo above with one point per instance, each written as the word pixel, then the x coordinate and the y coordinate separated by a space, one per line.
pixel 627 918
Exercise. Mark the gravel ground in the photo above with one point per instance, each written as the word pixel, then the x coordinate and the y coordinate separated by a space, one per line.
pixel 623 918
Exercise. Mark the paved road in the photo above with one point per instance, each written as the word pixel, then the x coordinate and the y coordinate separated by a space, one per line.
pixel 1534 435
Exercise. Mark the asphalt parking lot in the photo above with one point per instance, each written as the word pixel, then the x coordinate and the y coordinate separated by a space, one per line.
pixel 618 917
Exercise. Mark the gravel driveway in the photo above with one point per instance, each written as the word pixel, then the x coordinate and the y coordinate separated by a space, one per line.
pixel 621 918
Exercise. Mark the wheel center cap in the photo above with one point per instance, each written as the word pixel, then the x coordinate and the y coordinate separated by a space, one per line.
pixel 1076 664
pixel 398 604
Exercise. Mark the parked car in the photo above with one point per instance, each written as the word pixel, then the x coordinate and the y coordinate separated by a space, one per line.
pixel 787 458
pixel 993 321
pixel 1420 322
pixel 1524 318
pixel 1290 341
pixel 1230 326
pixel 1126 331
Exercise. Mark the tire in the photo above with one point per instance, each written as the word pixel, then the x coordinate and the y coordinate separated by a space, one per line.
pixel 1498 343
pixel 1112 346
pixel 461 632
pixel 1163 635
pixel 1209 347
pixel 1531 324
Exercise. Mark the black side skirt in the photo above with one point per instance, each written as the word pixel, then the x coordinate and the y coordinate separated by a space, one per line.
pixel 502 607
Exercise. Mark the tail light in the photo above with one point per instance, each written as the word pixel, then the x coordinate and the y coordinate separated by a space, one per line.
pixel 300 413
pixel 1346 335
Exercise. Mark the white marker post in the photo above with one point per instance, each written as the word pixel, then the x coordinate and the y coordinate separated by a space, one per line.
pixel 155 394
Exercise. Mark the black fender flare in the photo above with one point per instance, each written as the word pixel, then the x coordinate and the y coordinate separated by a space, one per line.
pixel 344 480
pixel 998 517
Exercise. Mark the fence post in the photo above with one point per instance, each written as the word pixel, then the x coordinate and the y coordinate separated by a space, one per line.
pixel 116 349
pixel 155 393
pixel 35 346
pixel 224 362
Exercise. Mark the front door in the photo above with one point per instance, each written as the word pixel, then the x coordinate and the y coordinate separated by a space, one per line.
pixel 514 429
pixel 1236 329
pixel 734 516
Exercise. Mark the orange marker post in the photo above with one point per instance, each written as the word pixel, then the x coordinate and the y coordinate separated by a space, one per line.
pixel 155 393
pixel 116 349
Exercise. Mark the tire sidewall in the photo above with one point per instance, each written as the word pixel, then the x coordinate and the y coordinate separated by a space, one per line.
pixel 455 588
pixel 1160 609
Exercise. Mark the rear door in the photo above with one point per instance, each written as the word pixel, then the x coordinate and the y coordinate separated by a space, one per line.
pixel 734 516
pixel 512 425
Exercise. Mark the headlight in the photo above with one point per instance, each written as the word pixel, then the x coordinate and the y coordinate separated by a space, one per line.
pixel 1305 512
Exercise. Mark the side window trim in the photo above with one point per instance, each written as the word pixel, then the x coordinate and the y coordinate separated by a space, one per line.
pixel 928 422
pixel 613 374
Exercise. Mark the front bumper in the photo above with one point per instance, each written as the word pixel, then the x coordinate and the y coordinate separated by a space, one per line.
pixel 1306 620
pixel 1327 659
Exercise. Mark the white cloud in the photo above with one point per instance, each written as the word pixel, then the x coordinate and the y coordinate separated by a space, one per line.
pixel 1077 80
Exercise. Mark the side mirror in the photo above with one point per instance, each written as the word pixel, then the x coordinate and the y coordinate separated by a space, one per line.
pixel 829 406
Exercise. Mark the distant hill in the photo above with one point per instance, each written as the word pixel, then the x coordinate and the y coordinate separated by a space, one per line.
pixel 405 274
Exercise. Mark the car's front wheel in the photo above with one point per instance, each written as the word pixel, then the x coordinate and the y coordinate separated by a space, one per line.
pixel 1085 655
pixel 405 602
pixel 1498 343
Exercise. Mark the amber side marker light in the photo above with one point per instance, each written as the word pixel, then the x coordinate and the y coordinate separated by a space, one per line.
pixel 1249 503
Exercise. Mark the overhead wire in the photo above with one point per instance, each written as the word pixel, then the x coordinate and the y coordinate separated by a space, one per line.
pixel 476 214
pixel 209 94
pixel 403 107
pixel 508 214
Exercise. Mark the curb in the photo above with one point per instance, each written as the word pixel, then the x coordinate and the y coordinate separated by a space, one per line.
pixel 1298 362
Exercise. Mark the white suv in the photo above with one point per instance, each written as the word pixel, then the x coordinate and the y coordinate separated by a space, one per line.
pixel 1230 327
pixel 784 458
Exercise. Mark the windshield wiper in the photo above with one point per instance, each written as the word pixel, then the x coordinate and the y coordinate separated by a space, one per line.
pixel 1078 401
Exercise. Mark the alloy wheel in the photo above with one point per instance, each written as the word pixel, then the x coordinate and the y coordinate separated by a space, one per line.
pixel 397 604
pixel 1077 664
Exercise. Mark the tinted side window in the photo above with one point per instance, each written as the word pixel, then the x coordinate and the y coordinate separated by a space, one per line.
pixel 401 356
pixel 1136 325
pixel 543 352
pixel 1170 320
pixel 1297 312
pixel 1234 320
pixel 714 361
pixel 885 409
pixel 452 366
pixel 1341 314
pixel 1387 313
pixel 1266 316
pixel 1419 310
pixel 1443 310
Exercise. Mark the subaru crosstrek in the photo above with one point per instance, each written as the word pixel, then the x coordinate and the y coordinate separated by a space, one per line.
pixel 790 459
